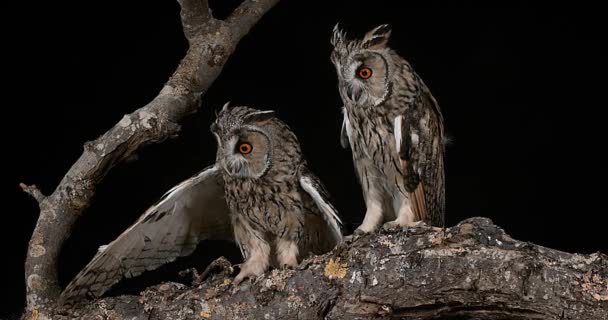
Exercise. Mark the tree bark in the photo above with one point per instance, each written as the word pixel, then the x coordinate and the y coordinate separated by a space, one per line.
pixel 211 42
pixel 473 270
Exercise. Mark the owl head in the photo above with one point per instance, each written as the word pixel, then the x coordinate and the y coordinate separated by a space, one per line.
pixel 364 66
pixel 252 142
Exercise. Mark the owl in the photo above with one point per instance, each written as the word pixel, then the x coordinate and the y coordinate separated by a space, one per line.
pixel 395 130
pixel 259 193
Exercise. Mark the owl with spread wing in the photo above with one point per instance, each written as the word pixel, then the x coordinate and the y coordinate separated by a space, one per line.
pixel 259 193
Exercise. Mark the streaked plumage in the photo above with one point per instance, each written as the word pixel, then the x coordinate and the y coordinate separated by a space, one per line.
pixel 395 129
pixel 259 193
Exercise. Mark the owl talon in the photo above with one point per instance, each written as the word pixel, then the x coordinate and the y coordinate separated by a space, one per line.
pixel 240 277
pixel 359 232
pixel 355 236
pixel 394 226
pixel 419 224
pixel 219 265
pixel 287 266
pixel 249 270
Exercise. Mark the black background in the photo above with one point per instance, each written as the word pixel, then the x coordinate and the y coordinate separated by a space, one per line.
pixel 520 88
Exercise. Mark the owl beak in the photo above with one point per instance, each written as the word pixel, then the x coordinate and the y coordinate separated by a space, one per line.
pixel 234 167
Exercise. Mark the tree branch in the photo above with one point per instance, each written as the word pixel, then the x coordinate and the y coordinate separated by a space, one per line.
pixel 194 15
pixel 245 16
pixel 211 43
pixel 471 271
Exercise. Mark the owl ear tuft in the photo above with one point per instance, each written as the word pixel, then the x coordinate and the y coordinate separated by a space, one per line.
pixel 259 116
pixel 377 38
pixel 337 37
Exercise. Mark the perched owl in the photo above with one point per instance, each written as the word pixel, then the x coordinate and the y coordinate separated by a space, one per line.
pixel 395 130
pixel 259 193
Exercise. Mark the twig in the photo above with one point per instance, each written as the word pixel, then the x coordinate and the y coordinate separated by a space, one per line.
pixel 33 191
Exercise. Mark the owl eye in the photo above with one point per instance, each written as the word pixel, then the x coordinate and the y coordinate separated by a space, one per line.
pixel 364 72
pixel 245 148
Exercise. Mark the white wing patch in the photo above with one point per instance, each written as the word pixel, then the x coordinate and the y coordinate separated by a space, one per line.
pixel 331 217
pixel 397 131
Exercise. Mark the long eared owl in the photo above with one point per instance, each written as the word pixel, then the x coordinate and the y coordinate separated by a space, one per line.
pixel 394 127
pixel 259 193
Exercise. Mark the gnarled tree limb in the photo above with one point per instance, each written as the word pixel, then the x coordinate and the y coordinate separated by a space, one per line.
pixel 470 271
pixel 211 42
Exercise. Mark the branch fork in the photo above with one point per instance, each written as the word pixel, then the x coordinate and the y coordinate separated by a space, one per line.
pixel 211 43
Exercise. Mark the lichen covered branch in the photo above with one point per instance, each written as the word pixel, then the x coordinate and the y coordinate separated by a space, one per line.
pixel 473 270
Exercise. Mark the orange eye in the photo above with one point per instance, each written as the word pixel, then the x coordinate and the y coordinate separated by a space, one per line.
pixel 245 148
pixel 364 72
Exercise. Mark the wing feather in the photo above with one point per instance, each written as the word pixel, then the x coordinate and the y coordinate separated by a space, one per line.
pixel 192 211
pixel 420 144
pixel 313 186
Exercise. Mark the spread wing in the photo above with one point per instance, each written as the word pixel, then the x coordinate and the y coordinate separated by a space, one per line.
pixel 420 143
pixel 313 186
pixel 192 211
